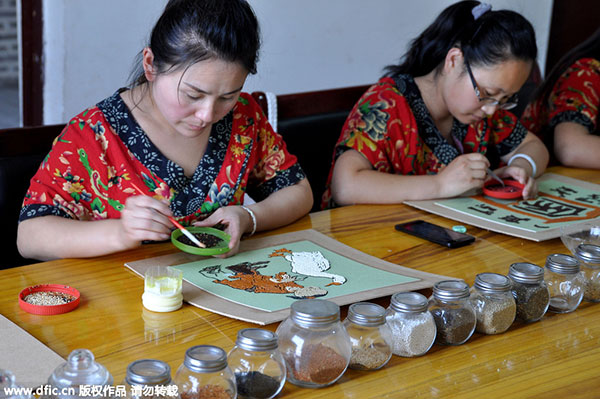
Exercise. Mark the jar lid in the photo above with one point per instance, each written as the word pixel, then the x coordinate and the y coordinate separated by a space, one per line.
pixel 205 359
pixel 450 290
pixel 80 369
pixel 409 302
pixel 588 253
pixel 7 381
pixel 256 339
pixel 366 314
pixel 148 372
pixel 562 264
pixel 526 273
pixel 314 312
pixel 492 283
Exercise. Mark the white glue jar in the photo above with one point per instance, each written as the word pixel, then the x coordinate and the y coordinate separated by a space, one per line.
pixel 162 289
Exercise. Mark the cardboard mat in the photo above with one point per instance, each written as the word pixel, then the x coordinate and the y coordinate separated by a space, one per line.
pixel 260 282
pixel 28 359
pixel 561 201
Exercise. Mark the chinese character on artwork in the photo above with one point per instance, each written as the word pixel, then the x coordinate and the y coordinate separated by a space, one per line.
pixel 483 208
pixel 550 208
pixel 514 219
pixel 590 199
pixel 563 191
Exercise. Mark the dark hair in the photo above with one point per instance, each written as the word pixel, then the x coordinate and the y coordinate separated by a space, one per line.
pixel 494 37
pixel 590 48
pixel 189 31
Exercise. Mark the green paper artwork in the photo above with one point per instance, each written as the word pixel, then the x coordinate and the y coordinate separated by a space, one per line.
pixel 272 278
pixel 558 204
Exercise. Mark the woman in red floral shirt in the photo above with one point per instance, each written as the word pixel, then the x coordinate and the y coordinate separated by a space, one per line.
pixel 564 112
pixel 436 122
pixel 183 133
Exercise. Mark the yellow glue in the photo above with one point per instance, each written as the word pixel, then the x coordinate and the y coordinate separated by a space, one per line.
pixel 163 285
pixel 162 290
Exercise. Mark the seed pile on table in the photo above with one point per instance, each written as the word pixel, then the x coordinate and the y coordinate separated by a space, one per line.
pixel 48 298
pixel 207 239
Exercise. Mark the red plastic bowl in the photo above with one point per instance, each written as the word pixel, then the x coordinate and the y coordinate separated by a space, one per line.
pixel 512 189
pixel 49 309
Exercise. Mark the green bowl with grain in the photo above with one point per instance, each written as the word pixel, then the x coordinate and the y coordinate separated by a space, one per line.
pixel 216 241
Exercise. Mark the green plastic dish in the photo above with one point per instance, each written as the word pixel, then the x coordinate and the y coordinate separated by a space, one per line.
pixel 222 248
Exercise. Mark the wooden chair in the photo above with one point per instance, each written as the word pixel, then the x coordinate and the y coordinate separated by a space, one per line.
pixel 21 152
pixel 310 124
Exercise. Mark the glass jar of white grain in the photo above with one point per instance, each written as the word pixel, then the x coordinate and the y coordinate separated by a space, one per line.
pixel 413 327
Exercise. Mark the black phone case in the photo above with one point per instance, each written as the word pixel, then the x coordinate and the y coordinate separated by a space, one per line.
pixel 465 239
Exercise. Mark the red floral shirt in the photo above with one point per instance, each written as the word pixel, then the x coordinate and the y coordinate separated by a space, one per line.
pixel 102 152
pixel 575 97
pixel 391 126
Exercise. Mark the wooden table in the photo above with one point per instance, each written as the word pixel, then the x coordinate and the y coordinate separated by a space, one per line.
pixel 556 357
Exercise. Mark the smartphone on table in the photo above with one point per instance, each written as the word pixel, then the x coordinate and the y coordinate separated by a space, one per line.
pixel 434 233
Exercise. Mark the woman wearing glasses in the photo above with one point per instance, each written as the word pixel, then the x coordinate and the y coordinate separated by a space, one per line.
pixel 435 124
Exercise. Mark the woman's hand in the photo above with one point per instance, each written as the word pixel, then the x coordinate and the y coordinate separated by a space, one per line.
pixel 144 218
pixel 237 220
pixel 464 173
pixel 521 175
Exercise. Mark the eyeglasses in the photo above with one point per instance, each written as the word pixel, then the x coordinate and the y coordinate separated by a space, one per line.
pixel 504 103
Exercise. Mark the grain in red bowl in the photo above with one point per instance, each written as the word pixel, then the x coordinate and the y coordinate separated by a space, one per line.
pixel 49 299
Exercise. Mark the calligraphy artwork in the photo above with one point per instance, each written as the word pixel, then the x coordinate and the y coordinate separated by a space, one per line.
pixel 561 201
pixel 557 204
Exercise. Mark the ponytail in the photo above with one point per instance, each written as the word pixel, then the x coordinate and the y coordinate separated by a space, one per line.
pixel 485 37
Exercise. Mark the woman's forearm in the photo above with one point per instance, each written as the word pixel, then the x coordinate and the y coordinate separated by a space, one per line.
pixel 534 148
pixel 574 146
pixel 54 237
pixel 283 206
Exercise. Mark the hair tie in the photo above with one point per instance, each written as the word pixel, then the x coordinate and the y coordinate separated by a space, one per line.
pixel 480 9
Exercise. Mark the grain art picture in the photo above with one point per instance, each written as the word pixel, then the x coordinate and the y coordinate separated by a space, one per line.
pixel 271 278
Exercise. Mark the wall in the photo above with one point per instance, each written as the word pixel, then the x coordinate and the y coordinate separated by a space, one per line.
pixel 307 44
pixel 9 45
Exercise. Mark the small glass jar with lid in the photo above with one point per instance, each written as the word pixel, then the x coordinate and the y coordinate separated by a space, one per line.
pixel 452 312
pixel 205 374
pixel 80 372
pixel 493 302
pixel 7 382
pixel 529 290
pixel 258 366
pixel 314 343
pixel 412 325
pixel 147 379
pixel 369 335
pixel 565 282
pixel 589 255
